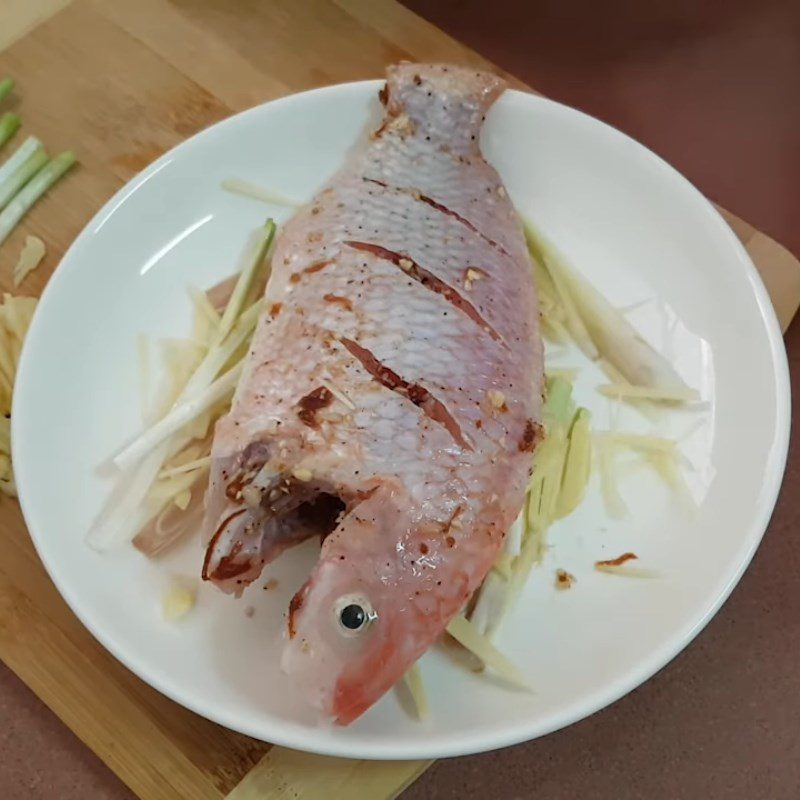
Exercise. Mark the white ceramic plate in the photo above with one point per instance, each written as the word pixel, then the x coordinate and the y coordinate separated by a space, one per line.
pixel 622 216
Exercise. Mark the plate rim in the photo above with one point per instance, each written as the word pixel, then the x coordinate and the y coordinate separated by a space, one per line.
pixel 473 741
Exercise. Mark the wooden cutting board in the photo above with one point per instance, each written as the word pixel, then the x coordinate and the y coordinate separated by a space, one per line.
pixel 120 82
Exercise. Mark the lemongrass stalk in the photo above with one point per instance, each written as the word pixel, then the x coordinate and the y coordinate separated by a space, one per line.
pixel 9 125
pixel 18 158
pixel 32 191
pixel 23 173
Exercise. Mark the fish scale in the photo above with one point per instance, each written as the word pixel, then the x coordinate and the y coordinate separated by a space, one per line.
pixel 391 398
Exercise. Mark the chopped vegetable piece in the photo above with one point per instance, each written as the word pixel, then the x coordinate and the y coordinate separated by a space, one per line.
pixel 247 189
pixel 491 603
pixel 6 87
pixel 532 553
pixel 462 630
pixel 615 505
pixel 206 318
pixel 572 318
pixel 19 157
pixel 11 186
pixel 182 499
pixel 503 564
pixel 215 359
pixel 665 465
pixel 609 332
pixel 676 395
pixel 32 191
pixel 189 466
pixel 33 251
pixel 246 279
pixel 125 512
pixel 178 600
pixel 577 465
pixel 637 441
pixel 569 374
pixel 513 542
pixel 180 415
pixel 143 356
pixel 9 125
pixel 413 682
pixel 558 406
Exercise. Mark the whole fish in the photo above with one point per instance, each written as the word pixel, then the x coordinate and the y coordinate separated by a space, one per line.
pixel 391 399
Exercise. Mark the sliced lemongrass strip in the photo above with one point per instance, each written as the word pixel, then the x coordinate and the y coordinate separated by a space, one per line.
pixel 566 373
pixel 32 191
pixel 513 542
pixel 609 488
pixel 637 441
pixel 218 356
pixel 491 605
pixel 620 391
pixel 202 306
pixel 553 330
pixel 180 414
pixel 462 630
pixel 125 512
pixel 189 466
pixel 667 468
pixel 577 465
pixel 252 190
pixel 502 565
pixel 413 682
pixel 532 552
pixel 145 378
pixel 246 279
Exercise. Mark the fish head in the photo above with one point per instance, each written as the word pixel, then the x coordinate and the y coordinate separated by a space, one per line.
pixel 369 610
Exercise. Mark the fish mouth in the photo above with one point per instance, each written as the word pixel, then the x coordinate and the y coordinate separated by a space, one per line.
pixel 250 535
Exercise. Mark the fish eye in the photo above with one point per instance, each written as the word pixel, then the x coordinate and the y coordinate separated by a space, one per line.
pixel 354 614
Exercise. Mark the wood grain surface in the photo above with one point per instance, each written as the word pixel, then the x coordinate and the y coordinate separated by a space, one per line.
pixel 120 82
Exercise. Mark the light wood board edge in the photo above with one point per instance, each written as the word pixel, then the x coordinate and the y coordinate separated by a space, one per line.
pixel 290 775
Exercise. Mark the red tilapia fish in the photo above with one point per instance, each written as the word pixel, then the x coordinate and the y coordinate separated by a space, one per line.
pixel 391 400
